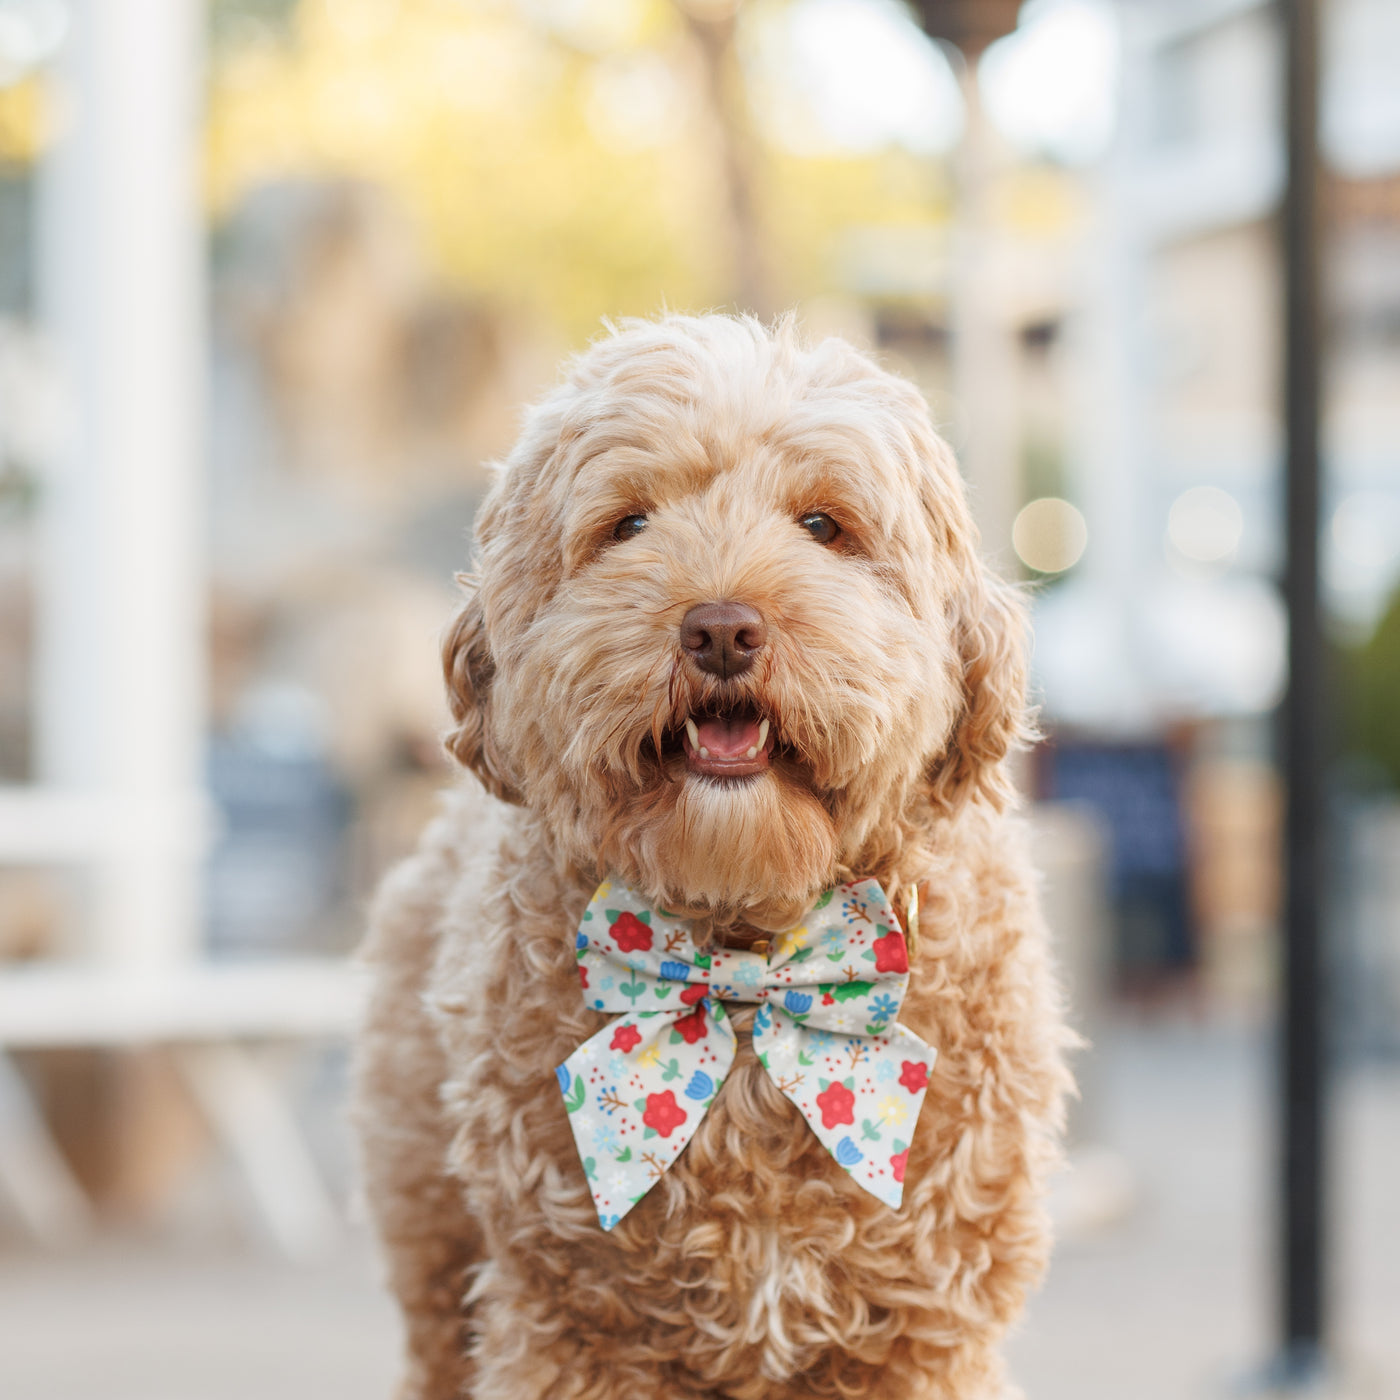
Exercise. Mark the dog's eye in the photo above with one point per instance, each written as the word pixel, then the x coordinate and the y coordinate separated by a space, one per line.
pixel 629 527
pixel 822 528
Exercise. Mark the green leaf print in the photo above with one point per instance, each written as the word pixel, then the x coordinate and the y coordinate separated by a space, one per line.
pixel 702 960
pixel 803 1058
pixel 612 915
pixel 869 1131
pixel 672 1071
pixel 590 1169
pixel 845 991
pixel 625 1155
pixel 823 900
pixel 632 989
pixel 573 1100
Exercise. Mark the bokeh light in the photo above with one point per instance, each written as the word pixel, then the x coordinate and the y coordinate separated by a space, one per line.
pixel 1049 535
pixel 1205 524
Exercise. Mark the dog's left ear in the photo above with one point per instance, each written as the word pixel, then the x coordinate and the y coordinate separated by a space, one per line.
pixel 988 629
pixel 469 669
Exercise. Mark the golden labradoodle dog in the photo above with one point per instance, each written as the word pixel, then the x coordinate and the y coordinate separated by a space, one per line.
pixel 728 645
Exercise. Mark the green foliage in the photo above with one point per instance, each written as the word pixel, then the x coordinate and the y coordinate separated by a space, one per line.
pixel 1371 698
pixel 481 120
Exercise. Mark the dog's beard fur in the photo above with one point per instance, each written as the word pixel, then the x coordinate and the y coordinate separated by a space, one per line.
pixel 760 845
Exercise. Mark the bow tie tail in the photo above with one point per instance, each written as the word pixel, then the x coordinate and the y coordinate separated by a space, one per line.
pixel 860 1094
pixel 635 1094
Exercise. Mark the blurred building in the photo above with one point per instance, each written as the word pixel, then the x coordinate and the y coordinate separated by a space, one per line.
pixel 1171 630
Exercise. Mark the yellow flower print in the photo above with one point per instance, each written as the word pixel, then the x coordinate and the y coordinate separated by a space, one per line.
pixel 892 1111
pixel 790 942
pixel 651 1056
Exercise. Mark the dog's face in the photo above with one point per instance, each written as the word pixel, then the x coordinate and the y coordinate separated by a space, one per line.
pixel 730 637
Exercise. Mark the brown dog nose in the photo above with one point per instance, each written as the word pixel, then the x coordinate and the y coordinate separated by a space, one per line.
pixel 723 638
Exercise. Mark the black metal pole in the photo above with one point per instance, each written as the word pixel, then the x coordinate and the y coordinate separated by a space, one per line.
pixel 1304 1048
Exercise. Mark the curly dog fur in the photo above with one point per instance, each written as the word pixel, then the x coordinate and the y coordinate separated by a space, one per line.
pixel 893 675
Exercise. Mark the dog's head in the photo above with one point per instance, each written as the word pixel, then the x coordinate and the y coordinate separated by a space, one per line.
pixel 729 635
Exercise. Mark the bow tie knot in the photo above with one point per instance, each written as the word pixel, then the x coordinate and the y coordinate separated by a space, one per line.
pixel 829 991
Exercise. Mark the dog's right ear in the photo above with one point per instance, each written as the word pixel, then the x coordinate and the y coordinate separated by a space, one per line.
pixel 469 669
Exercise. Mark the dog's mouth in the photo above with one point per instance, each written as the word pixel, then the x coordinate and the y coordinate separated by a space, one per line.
pixel 732 743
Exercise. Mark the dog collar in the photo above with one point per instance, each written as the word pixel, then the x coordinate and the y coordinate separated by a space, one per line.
pixel 828 992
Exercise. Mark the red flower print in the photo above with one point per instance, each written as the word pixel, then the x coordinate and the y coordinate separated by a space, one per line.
pixel 692 1026
pixel 913 1076
pixel 837 1104
pixel 663 1113
pixel 898 1162
pixel 693 993
pixel 583 976
pixel 891 954
pixel 630 934
pixel 625 1038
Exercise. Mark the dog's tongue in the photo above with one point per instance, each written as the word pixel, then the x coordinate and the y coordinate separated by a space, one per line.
pixel 726 738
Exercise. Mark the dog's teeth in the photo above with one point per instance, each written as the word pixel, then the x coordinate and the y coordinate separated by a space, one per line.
pixel 704 753
pixel 753 752
pixel 694 734
pixel 762 737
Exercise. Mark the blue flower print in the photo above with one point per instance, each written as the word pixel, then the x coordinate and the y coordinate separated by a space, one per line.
pixel 885 1071
pixel 848 1154
pixel 563 1076
pixel 674 971
pixel 799 1003
pixel 580 940
pixel 701 1086
pixel 882 1008
pixel 748 973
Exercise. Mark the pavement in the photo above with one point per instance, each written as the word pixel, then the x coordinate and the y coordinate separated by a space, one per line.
pixel 1162 1287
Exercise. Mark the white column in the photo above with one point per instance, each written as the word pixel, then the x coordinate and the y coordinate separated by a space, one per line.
pixel 1111 434
pixel 120 703
pixel 985 368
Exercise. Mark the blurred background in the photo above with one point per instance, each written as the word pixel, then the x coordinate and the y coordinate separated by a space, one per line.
pixel 275 278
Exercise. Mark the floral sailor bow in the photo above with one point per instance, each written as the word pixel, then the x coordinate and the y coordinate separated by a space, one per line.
pixel 825 1031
